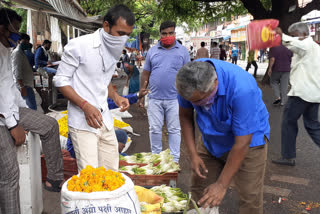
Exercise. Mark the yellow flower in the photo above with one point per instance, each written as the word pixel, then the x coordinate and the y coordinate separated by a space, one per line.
pixel 95 180
pixel 63 126
pixel 120 124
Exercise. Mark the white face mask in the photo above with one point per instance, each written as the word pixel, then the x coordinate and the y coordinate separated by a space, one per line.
pixel 112 44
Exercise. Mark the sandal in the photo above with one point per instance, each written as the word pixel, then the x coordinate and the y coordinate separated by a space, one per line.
pixel 55 185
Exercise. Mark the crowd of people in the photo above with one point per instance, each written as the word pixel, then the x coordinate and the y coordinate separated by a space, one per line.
pixel 218 99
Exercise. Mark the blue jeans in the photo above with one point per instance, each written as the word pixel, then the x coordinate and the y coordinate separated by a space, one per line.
pixel 294 108
pixel 122 136
pixel 159 110
pixel 30 98
pixel 50 70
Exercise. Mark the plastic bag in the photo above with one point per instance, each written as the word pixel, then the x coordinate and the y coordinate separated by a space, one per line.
pixel 123 200
pixel 260 34
pixel 125 90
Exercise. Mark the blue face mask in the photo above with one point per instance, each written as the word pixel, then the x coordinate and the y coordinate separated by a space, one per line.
pixel 13 39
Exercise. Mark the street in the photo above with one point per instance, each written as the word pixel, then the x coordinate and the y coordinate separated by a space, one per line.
pixel 293 184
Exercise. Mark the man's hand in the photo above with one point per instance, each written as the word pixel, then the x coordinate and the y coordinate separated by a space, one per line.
pixel 93 116
pixel 143 91
pixel 122 103
pixel 141 102
pixel 269 72
pixel 18 135
pixel 199 167
pixel 278 31
pixel 213 195
pixel 23 91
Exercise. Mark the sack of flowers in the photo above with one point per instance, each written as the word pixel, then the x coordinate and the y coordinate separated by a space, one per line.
pixel 97 190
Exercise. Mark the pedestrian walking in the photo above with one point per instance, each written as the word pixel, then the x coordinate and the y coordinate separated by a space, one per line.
pixel 234 55
pixel 202 52
pixel 84 76
pixel 191 53
pixel 233 121
pixel 161 66
pixel 261 56
pixel 215 51
pixel 252 61
pixel 304 96
pixel 279 72
pixel 223 55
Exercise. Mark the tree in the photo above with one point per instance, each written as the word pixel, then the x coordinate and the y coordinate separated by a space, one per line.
pixel 286 11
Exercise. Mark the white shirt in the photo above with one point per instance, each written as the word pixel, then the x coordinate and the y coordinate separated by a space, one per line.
pixel 305 68
pixel 10 97
pixel 82 68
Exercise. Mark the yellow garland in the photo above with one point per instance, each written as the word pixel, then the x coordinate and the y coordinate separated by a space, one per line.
pixel 63 126
pixel 95 180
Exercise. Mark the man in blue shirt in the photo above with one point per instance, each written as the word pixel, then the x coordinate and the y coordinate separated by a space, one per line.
pixel 234 54
pixel 233 121
pixel 160 69
pixel 41 58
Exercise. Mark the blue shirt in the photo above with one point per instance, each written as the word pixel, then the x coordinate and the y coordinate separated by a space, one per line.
pixel 164 64
pixel 234 52
pixel 40 59
pixel 238 110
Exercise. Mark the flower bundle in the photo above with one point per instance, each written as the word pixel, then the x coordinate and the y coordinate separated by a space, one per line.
pixel 95 180
pixel 63 126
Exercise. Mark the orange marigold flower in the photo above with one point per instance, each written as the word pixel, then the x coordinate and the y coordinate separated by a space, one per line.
pixel 95 180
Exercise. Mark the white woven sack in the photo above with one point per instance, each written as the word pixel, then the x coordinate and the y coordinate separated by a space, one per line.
pixel 123 200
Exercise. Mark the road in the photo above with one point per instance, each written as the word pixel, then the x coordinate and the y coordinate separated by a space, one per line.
pixel 293 184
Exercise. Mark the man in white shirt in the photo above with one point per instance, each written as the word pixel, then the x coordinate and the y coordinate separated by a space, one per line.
pixel 84 76
pixel 304 95
pixel 15 118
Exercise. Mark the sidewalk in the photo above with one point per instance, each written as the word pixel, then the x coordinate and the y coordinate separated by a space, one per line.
pixel 262 67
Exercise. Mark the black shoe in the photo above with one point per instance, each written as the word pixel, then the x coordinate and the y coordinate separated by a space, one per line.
pixel 277 101
pixel 284 161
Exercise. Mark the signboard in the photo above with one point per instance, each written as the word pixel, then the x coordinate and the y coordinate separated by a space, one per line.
pixel 238 35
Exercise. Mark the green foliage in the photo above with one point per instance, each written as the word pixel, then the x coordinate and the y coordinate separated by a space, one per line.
pixel 23 14
pixel 150 13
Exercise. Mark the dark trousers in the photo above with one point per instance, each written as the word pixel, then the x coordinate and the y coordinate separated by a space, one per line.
pixel 234 59
pixel 254 63
pixel 248 180
pixel 294 108
pixel 48 129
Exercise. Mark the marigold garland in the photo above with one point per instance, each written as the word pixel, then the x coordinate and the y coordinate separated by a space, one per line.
pixel 95 180
pixel 63 126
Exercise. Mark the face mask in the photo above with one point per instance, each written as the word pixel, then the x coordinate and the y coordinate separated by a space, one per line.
pixel 208 100
pixel 167 41
pixel 13 39
pixel 113 44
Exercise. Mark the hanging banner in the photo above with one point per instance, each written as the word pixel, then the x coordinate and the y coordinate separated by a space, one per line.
pixel 261 34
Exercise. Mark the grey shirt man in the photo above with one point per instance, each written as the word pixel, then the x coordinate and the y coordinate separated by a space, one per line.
pixel 21 67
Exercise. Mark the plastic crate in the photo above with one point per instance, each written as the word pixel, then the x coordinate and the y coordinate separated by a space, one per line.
pixel 169 179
